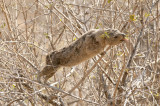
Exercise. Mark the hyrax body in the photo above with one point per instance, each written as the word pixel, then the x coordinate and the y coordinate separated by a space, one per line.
pixel 90 44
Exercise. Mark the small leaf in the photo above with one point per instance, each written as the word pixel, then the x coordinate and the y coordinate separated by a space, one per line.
pixel 100 24
pixel 57 85
pixel 132 17
pixel 127 37
pixel 146 15
pixel 74 38
pixel 4 24
pixel 115 66
pixel 47 36
pixel 14 86
pixel 109 1
pixel 71 6
pixel 157 95
pixel 30 45
pixel 50 6
pixel 127 70
pixel 92 77
pixel 119 53
pixel 97 27
pixel 36 43
pixel 106 34
pixel 139 54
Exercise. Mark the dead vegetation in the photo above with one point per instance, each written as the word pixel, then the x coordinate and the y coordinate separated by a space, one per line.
pixel 127 74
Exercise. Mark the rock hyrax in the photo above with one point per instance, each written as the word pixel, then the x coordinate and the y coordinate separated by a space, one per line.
pixel 90 44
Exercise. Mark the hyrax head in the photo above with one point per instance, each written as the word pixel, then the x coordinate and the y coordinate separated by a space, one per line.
pixel 113 36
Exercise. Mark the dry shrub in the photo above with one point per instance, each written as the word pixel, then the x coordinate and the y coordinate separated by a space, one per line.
pixel 128 74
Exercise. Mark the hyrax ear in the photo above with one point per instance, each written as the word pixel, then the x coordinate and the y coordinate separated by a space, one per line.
pixel 111 34
pixel 123 34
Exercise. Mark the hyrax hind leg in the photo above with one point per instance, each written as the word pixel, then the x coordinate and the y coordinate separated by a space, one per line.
pixel 47 72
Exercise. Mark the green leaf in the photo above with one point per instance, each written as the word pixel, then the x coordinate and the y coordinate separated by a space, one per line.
pixel 100 24
pixel 74 38
pixel 156 94
pixel 132 17
pixel 119 53
pixel 14 86
pixel 146 15
pixel 127 70
pixel 109 1
pixel 97 27
pixel 115 66
pixel 57 85
pixel 92 77
pixel 36 43
pixel 30 45
pixel 47 36
pixel 4 24
pixel 106 34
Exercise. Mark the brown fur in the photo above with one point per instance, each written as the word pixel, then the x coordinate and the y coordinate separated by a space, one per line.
pixel 90 44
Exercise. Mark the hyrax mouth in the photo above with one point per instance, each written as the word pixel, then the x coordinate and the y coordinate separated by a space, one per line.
pixel 123 39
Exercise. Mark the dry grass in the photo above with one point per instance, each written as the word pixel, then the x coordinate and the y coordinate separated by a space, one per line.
pixel 128 74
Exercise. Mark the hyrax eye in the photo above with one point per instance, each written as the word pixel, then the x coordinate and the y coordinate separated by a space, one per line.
pixel 115 36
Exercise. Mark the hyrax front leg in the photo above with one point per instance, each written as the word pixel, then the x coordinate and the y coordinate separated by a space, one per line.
pixel 47 72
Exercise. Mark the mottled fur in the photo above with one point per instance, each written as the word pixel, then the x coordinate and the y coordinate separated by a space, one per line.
pixel 90 44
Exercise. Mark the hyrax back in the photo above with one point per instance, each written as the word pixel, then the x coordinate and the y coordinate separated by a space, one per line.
pixel 90 44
